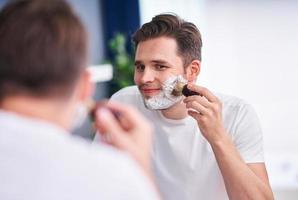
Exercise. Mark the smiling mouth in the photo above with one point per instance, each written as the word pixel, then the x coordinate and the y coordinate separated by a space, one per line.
pixel 150 91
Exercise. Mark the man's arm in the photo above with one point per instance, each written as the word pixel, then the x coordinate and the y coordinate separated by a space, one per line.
pixel 242 181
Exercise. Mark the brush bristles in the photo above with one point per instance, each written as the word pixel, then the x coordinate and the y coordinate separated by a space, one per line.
pixel 177 91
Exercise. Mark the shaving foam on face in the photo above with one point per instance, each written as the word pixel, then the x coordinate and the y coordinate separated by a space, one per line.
pixel 165 99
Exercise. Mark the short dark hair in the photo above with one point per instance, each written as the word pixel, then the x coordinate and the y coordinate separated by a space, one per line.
pixel 186 34
pixel 43 48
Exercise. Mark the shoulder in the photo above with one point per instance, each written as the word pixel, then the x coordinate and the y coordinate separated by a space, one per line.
pixel 130 90
pixel 238 115
pixel 104 157
pixel 243 124
pixel 111 169
pixel 61 162
pixel 234 105
pixel 231 101
pixel 127 93
pixel 81 165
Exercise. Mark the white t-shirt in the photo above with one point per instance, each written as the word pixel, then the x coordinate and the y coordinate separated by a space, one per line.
pixel 184 163
pixel 40 161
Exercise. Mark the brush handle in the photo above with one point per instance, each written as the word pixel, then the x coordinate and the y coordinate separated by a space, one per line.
pixel 187 92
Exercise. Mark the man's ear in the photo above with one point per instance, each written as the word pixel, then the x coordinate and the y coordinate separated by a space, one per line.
pixel 193 70
pixel 86 86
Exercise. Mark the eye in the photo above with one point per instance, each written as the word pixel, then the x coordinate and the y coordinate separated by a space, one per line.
pixel 160 67
pixel 139 67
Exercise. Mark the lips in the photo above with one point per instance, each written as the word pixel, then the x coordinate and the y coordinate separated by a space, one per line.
pixel 150 91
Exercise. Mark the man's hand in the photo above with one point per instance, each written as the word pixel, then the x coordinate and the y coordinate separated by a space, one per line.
pixel 207 110
pixel 126 130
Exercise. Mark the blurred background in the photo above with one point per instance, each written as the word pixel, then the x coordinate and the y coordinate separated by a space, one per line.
pixel 250 50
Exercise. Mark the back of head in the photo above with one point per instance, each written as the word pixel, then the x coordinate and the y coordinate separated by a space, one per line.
pixel 43 48
pixel 186 34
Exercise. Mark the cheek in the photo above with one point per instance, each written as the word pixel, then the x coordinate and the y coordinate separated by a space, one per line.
pixel 163 78
pixel 136 79
pixel 169 75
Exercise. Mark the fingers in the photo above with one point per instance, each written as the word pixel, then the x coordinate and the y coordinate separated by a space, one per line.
pixel 207 104
pixel 203 91
pixel 194 114
pixel 122 123
pixel 200 99
pixel 106 121
pixel 198 103
pixel 197 107
pixel 111 129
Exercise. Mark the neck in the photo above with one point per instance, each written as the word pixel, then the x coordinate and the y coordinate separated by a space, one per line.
pixel 177 111
pixel 55 111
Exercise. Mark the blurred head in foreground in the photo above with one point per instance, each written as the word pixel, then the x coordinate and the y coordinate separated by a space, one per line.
pixel 43 54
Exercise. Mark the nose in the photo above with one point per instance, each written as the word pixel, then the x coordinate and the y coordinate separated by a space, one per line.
pixel 147 76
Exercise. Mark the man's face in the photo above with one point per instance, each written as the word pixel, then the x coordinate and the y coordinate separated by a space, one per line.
pixel 156 60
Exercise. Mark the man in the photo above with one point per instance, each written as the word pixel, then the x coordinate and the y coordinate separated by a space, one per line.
pixel 206 146
pixel 43 54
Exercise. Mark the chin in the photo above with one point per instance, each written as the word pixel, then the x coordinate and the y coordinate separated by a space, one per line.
pixel 147 97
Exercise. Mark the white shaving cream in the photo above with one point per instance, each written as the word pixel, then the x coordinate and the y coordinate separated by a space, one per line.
pixel 165 99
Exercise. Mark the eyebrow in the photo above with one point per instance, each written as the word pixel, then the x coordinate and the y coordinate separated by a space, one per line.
pixel 160 62
pixel 138 62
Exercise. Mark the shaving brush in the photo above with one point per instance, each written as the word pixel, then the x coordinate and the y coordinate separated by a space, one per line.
pixel 181 89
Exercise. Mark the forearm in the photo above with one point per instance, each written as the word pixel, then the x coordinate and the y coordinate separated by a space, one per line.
pixel 240 181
